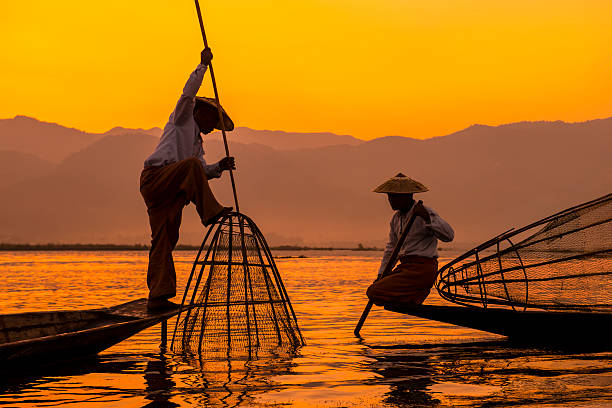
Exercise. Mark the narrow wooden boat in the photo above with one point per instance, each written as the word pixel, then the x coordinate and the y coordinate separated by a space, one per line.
pixel 524 326
pixel 43 337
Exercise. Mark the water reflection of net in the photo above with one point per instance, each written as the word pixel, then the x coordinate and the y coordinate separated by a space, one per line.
pixel 562 262
pixel 242 308
pixel 229 382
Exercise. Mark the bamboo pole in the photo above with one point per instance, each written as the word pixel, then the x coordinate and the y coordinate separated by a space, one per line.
pixel 221 121
pixel 388 268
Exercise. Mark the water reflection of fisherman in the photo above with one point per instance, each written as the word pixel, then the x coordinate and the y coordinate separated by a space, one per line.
pixel 411 281
pixel 159 383
pixel 408 374
pixel 176 174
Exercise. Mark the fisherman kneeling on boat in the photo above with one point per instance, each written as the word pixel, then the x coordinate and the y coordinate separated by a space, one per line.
pixel 411 281
pixel 177 174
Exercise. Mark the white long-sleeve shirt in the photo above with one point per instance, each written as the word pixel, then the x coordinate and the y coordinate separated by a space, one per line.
pixel 181 137
pixel 422 239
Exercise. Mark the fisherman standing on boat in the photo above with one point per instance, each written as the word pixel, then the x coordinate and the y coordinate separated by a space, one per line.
pixel 410 282
pixel 177 174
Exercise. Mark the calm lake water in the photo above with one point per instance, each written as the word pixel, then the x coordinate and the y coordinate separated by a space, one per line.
pixel 401 361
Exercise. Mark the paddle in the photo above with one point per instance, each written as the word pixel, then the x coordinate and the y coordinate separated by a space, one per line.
pixel 387 269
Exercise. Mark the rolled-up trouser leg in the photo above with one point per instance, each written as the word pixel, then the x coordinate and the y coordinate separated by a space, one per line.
pixel 409 283
pixel 165 224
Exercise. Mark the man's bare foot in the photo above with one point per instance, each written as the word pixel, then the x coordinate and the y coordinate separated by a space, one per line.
pixel 214 219
pixel 158 305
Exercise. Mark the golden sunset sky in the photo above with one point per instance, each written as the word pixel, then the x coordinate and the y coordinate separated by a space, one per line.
pixel 368 68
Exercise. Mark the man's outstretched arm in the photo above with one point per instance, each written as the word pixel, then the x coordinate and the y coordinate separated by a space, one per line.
pixel 186 103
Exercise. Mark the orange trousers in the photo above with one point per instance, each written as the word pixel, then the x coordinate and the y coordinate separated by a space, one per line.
pixel 409 283
pixel 166 190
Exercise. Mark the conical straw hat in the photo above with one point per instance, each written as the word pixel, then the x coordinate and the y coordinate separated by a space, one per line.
pixel 400 184
pixel 211 105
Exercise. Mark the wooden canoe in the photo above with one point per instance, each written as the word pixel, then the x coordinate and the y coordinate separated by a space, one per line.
pixel 523 326
pixel 45 337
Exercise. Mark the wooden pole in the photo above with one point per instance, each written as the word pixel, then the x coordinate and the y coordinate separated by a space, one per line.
pixel 230 247
pixel 221 121
pixel 387 269
pixel 164 334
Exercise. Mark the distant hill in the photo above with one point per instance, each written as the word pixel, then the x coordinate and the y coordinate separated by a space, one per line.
pixel 48 141
pixel 16 167
pixel 286 140
pixel 483 180
pixel 118 130
pixel 92 196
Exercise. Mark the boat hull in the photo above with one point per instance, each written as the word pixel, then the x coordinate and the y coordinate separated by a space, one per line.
pixel 524 326
pixel 46 337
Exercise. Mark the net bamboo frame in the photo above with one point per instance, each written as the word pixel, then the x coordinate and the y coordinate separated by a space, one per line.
pixel 562 262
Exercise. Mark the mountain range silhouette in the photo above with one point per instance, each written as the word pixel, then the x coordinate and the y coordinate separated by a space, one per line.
pixel 63 185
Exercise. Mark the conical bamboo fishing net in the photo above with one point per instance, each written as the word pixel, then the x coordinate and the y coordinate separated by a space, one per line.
pixel 236 304
pixel 562 262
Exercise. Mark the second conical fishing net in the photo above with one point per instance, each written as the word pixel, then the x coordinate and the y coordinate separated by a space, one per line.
pixel 235 304
pixel 562 262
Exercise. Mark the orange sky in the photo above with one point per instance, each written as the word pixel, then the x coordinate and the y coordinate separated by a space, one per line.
pixel 367 68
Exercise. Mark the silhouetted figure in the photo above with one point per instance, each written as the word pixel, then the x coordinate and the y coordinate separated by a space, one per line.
pixel 177 174
pixel 411 281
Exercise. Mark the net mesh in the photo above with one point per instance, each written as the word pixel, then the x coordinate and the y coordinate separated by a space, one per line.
pixel 242 307
pixel 562 262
